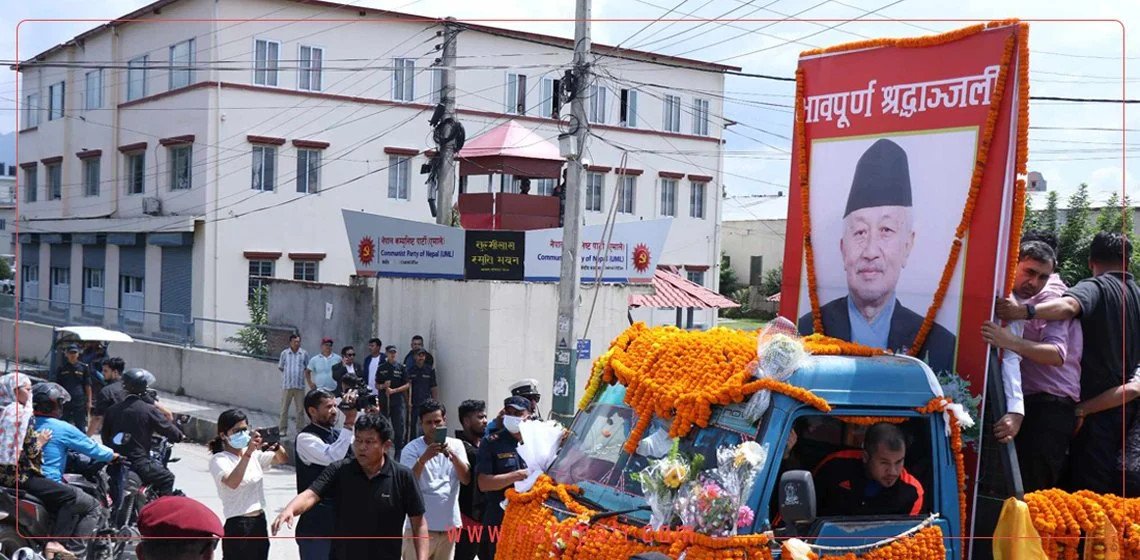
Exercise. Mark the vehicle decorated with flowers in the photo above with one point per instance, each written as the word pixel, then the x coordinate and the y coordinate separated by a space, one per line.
pixel 695 445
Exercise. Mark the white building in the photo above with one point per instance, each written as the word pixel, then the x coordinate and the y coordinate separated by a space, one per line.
pixel 7 211
pixel 755 245
pixel 166 165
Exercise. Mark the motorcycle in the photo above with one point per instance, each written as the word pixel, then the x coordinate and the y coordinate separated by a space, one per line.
pixel 35 521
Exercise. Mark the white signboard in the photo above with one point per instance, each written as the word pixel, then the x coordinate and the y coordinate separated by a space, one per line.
pixel 628 254
pixel 383 246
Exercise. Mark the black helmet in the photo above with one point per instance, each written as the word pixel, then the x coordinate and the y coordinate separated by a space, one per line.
pixel 137 380
pixel 47 393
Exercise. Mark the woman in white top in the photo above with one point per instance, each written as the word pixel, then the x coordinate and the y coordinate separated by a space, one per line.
pixel 237 468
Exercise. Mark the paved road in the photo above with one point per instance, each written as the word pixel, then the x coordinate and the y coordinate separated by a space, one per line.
pixel 193 478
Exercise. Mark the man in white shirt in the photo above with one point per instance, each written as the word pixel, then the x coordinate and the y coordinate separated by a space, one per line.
pixel 318 446
pixel 372 362
pixel 439 464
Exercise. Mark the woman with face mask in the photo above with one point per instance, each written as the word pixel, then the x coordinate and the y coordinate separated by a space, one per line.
pixel 237 468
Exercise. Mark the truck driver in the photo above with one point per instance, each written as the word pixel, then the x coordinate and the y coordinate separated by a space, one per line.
pixel 872 481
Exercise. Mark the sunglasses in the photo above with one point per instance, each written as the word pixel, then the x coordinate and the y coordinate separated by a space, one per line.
pixel 351 354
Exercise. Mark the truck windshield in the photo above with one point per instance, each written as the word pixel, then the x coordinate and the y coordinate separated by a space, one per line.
pixel 594 460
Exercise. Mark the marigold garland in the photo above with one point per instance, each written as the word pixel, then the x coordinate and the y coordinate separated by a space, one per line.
pixel 1063 518
pixel 805 205
pixel 937 405
pixel 1019 192
pixel 927 543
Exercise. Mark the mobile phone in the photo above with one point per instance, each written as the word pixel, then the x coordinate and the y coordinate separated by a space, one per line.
pixel 440 435
pixel 270 436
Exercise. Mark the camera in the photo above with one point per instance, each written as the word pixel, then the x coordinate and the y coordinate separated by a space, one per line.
pixel 365 396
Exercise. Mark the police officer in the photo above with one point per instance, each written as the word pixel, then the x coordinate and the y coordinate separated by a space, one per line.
pixel 392 375
pixel 528 388
pixel 130 425
pixel 500 466
pixel 75 377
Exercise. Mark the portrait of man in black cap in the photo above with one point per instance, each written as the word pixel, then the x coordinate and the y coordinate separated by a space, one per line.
pixel 877 239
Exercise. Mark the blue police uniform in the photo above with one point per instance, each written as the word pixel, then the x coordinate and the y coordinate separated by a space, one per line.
pixel 498 454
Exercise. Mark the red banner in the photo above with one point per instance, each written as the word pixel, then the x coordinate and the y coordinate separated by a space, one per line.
pixel 903 188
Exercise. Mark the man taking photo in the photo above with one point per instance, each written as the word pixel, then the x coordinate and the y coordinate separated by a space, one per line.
pixel 319 445
pixel 440 468
pixel 374 496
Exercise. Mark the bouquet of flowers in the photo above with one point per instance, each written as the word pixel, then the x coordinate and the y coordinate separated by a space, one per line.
pixel 662 479
pixel 539 448
pixel 706 507
pixel 737 468
pixel 779 353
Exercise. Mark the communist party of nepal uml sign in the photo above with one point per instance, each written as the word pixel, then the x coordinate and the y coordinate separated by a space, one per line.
pixel 385 246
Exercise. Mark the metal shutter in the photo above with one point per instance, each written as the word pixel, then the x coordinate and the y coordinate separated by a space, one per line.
pixel 94 256
pixel 132 261
pixel 61 255
pixel 177 278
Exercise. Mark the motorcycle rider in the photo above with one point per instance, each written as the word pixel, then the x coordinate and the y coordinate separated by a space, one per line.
pixel 130 425
pixel 76 513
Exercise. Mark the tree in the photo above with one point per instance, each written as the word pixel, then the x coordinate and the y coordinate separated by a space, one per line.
pixel 1032 219
pixel 1110 218
pixel 773 281
pixel 5 270
pixel 1048 219
pixel 1074 237
pixel 729 283
pixel 252 339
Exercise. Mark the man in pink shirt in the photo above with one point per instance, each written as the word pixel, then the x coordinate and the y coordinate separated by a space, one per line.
pixel 1050 372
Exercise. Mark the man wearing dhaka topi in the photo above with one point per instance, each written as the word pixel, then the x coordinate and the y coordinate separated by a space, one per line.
pixel 877 238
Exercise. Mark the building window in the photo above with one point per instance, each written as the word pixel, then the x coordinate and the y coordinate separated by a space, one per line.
pixel 594 189
pixel 31 110
pixel 264 168
pixel 308 171
pixel 551 98
pixel 30 277
pixel 516 94
pixel 305 270
pixel 93 81
pixel 258 272
pixel 266 55
pixel 544 187
pixel 93 290
pixel 697 199
pixel 672 122
pixel 54 180
pixel 60 287
pixel 182 64
pixel 136 77
pixel 597 105
pixel 404 79
pixel 312 59
pixel 436 85
pixel 626 192
pixel 132 298
pixel 629 108
pixel 3 224
pixel 55 101
pixel 180 161
pixel 668 197
pixel 701 117
pixel 136 172
pixel 696 276
pixel 398 178
pixel 91 176
pixel 31 183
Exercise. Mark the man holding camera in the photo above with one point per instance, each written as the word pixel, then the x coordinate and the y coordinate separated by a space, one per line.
pixel 440 466
pixel 319 445
pixel 347 366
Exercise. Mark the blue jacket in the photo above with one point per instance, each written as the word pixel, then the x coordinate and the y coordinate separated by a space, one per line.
pixel 64 438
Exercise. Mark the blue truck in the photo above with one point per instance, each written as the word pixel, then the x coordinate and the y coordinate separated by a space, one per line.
pixel 885 386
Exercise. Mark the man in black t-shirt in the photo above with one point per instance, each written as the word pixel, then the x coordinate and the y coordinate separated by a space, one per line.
pixel 373 494
pixel 1105 304
pixel 394 378
pixel 75 377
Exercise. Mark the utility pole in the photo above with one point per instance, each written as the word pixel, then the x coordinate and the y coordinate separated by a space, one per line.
pixel 445 175
pixel 570 278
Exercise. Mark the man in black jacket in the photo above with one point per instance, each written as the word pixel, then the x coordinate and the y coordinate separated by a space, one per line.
pixel 346 366
pixel 869 482
pixel 128 428
pixel 473 418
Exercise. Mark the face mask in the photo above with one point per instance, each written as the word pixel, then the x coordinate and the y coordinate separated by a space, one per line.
pixel 511 423
pixel 240 439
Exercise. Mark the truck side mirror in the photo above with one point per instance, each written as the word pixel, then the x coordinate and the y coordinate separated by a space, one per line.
pixel 797 498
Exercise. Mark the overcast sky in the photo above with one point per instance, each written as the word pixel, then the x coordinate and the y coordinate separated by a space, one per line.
pixel 1071 59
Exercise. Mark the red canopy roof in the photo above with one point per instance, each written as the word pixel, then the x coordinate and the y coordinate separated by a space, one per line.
pixel 671 290
pixel 511 149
